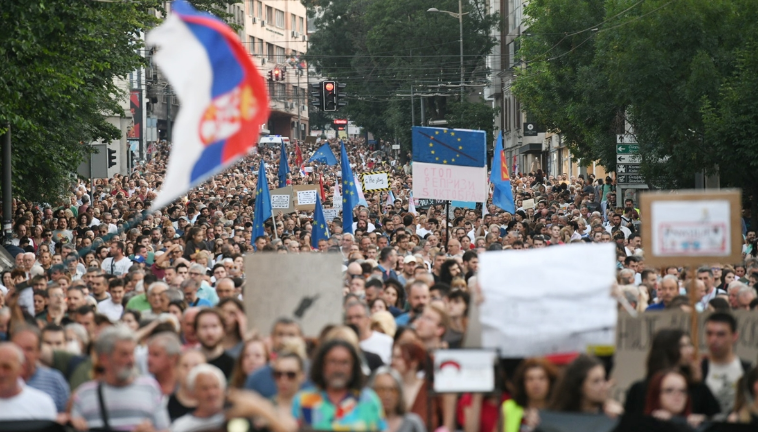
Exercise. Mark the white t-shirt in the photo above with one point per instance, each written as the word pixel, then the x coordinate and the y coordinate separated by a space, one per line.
pixel 722 380
pixel 190 423
pixel 120 267
pixel 111 310
pixel 30 404
pixel 379 344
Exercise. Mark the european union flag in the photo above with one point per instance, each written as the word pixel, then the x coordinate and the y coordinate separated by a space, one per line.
pixel 262 210
pixel 324 155
pixel 349 192
pixel 284 168
pixel 461 147
pixel 320 226
pixel 502 196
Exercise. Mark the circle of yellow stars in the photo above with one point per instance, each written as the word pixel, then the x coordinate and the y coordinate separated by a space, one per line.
pixel 431 144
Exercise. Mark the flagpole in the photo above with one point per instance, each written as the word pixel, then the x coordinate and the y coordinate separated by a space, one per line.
pixel 273 220
pixel 447 225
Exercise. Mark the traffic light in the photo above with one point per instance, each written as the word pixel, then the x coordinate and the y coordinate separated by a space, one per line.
pixel 270 75
pixel 341 95
pixel 278 75
pixel 111 158
pixel 330 95
pixel 317 99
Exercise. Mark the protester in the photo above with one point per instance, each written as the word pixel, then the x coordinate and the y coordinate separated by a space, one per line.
pixel 672 350
pixel 583 388
pixel 387 384
pixel 19 401
pixel 340 399
pixel 533 384
pixel 668 399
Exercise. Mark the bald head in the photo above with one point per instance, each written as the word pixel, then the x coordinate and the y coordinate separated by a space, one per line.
pixel 11 365
pixel 354 269
pixel 225 288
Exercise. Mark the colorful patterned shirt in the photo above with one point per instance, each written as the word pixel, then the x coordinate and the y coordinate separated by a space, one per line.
pixel 357 412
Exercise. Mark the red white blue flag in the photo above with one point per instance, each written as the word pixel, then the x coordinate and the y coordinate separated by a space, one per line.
pixel 223 97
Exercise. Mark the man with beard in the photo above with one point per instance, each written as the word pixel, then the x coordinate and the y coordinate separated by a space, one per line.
pixel 339 401
pixel 209 328
pixel 418 298
pixel 130 402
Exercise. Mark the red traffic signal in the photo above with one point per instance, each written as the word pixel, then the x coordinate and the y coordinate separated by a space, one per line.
pixel 329 86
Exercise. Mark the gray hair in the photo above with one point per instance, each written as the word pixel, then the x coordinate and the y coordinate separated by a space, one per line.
pixel 385 370
pixel 79 331
pixel 205 368
pixel 156 284
pixel 190 282
pixel 169 341
pixel 353 303
pixel 13 347
pixel 106 342
pixel 739 286
pixel 197 268
pixel 174 295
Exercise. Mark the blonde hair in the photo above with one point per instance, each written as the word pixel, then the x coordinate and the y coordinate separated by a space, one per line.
pixel 384 322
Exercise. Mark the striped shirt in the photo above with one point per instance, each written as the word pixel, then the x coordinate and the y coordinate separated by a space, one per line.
pixel 51 382
pixel 127 406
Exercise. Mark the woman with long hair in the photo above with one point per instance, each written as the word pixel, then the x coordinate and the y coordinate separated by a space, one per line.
pixel 583 388
pixel 387 384
pixel 254 355
pixel 668 399
pixel 673 349
pixel 449 270
pixel 533 383
pixel 234 325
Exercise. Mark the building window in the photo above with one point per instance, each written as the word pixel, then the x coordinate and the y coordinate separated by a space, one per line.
pixel 301 30
pixel 279 91
pixel 279 53
pixel 269 14
pixel 293 22
pixel 250 7
pixel 260 10
pixel 260 47
pixel 251 45
pixel 279 19
pixel 270 52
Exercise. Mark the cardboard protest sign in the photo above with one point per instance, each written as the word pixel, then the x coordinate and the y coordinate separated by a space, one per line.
pixel 460 183
pixel 634 336
pixel 307 295
pixel 691 227
pixel 424 204
pixel 281 200
pixel 305 197
pixel 528 311
pixel 331 213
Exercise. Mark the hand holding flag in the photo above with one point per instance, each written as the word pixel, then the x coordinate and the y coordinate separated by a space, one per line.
pixel 349 190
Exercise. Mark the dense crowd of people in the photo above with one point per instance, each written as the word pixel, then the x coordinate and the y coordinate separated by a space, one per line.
pixel 114 317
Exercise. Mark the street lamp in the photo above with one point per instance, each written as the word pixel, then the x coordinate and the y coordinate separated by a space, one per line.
pixel 458 15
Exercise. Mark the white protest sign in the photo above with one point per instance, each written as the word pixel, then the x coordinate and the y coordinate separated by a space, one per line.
pixel 376 181
pixel 280 201
pixel 331 213
pixel 273 290
pixel 306 197
pixel 464 371
pixel 459 183
pixel 528 311
pixel 308 169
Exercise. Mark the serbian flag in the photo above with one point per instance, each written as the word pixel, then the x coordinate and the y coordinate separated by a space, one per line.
pixel 223 97
pixel 502 196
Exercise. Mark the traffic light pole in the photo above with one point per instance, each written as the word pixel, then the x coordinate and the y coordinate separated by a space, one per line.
pixel 7 187
pixel 299 136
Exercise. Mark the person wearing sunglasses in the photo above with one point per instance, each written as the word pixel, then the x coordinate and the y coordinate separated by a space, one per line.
pixel 289 375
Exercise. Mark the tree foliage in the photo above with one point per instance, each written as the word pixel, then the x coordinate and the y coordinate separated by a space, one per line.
pixel 666 68
pixel 380 48
pixel 60 61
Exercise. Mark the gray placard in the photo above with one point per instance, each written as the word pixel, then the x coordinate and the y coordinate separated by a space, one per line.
pixel 304 287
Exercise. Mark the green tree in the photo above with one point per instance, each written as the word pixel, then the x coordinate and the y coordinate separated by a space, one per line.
pixel 380 48
pixel 60 67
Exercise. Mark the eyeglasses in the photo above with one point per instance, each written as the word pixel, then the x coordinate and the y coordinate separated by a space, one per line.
pixel 289 374
pixel 195 274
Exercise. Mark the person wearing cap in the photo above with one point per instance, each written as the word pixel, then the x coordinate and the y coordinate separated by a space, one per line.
pixel 409 268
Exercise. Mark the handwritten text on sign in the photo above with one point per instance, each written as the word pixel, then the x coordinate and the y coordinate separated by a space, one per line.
pixel 306 197
pixel 375 181
pixel 691 228
pixel 443 182
pixel 280 201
